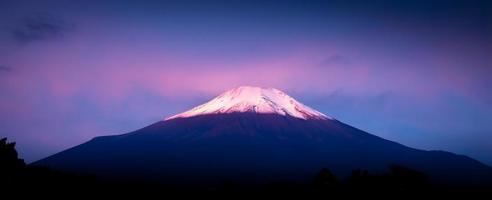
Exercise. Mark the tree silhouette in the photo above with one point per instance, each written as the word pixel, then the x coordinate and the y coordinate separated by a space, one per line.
pixel 360 176
pixel 11 164
pixel 403 176
pixel 325 180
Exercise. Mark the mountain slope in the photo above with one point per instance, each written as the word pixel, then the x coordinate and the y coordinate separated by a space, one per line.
pixel 254 145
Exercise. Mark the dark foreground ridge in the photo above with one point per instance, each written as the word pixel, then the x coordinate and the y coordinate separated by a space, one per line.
pixel 18 180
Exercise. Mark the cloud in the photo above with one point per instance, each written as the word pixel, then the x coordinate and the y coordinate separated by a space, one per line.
pixel 4 68
pixel 40 27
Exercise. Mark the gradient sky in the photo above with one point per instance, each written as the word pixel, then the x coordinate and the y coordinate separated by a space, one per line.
pixel 415 72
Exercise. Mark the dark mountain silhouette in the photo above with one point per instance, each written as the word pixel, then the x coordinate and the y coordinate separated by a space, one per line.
pixel 255 135
pixel 18 180
pixel 252 147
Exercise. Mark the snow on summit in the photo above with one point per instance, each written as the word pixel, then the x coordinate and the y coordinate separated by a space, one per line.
pixel 254 99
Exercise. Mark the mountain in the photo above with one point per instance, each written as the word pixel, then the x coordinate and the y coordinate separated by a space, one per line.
pixel 252 134
pixel 254 100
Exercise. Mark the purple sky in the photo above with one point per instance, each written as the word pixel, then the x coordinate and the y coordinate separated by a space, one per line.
pixel 416 72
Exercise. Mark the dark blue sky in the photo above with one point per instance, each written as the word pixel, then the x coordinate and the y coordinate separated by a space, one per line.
pixel 416 72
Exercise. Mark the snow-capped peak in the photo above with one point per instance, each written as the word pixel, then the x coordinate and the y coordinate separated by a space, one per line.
pixel 254 99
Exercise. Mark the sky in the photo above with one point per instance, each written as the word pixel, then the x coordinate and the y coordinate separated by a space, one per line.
pixel 415 72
